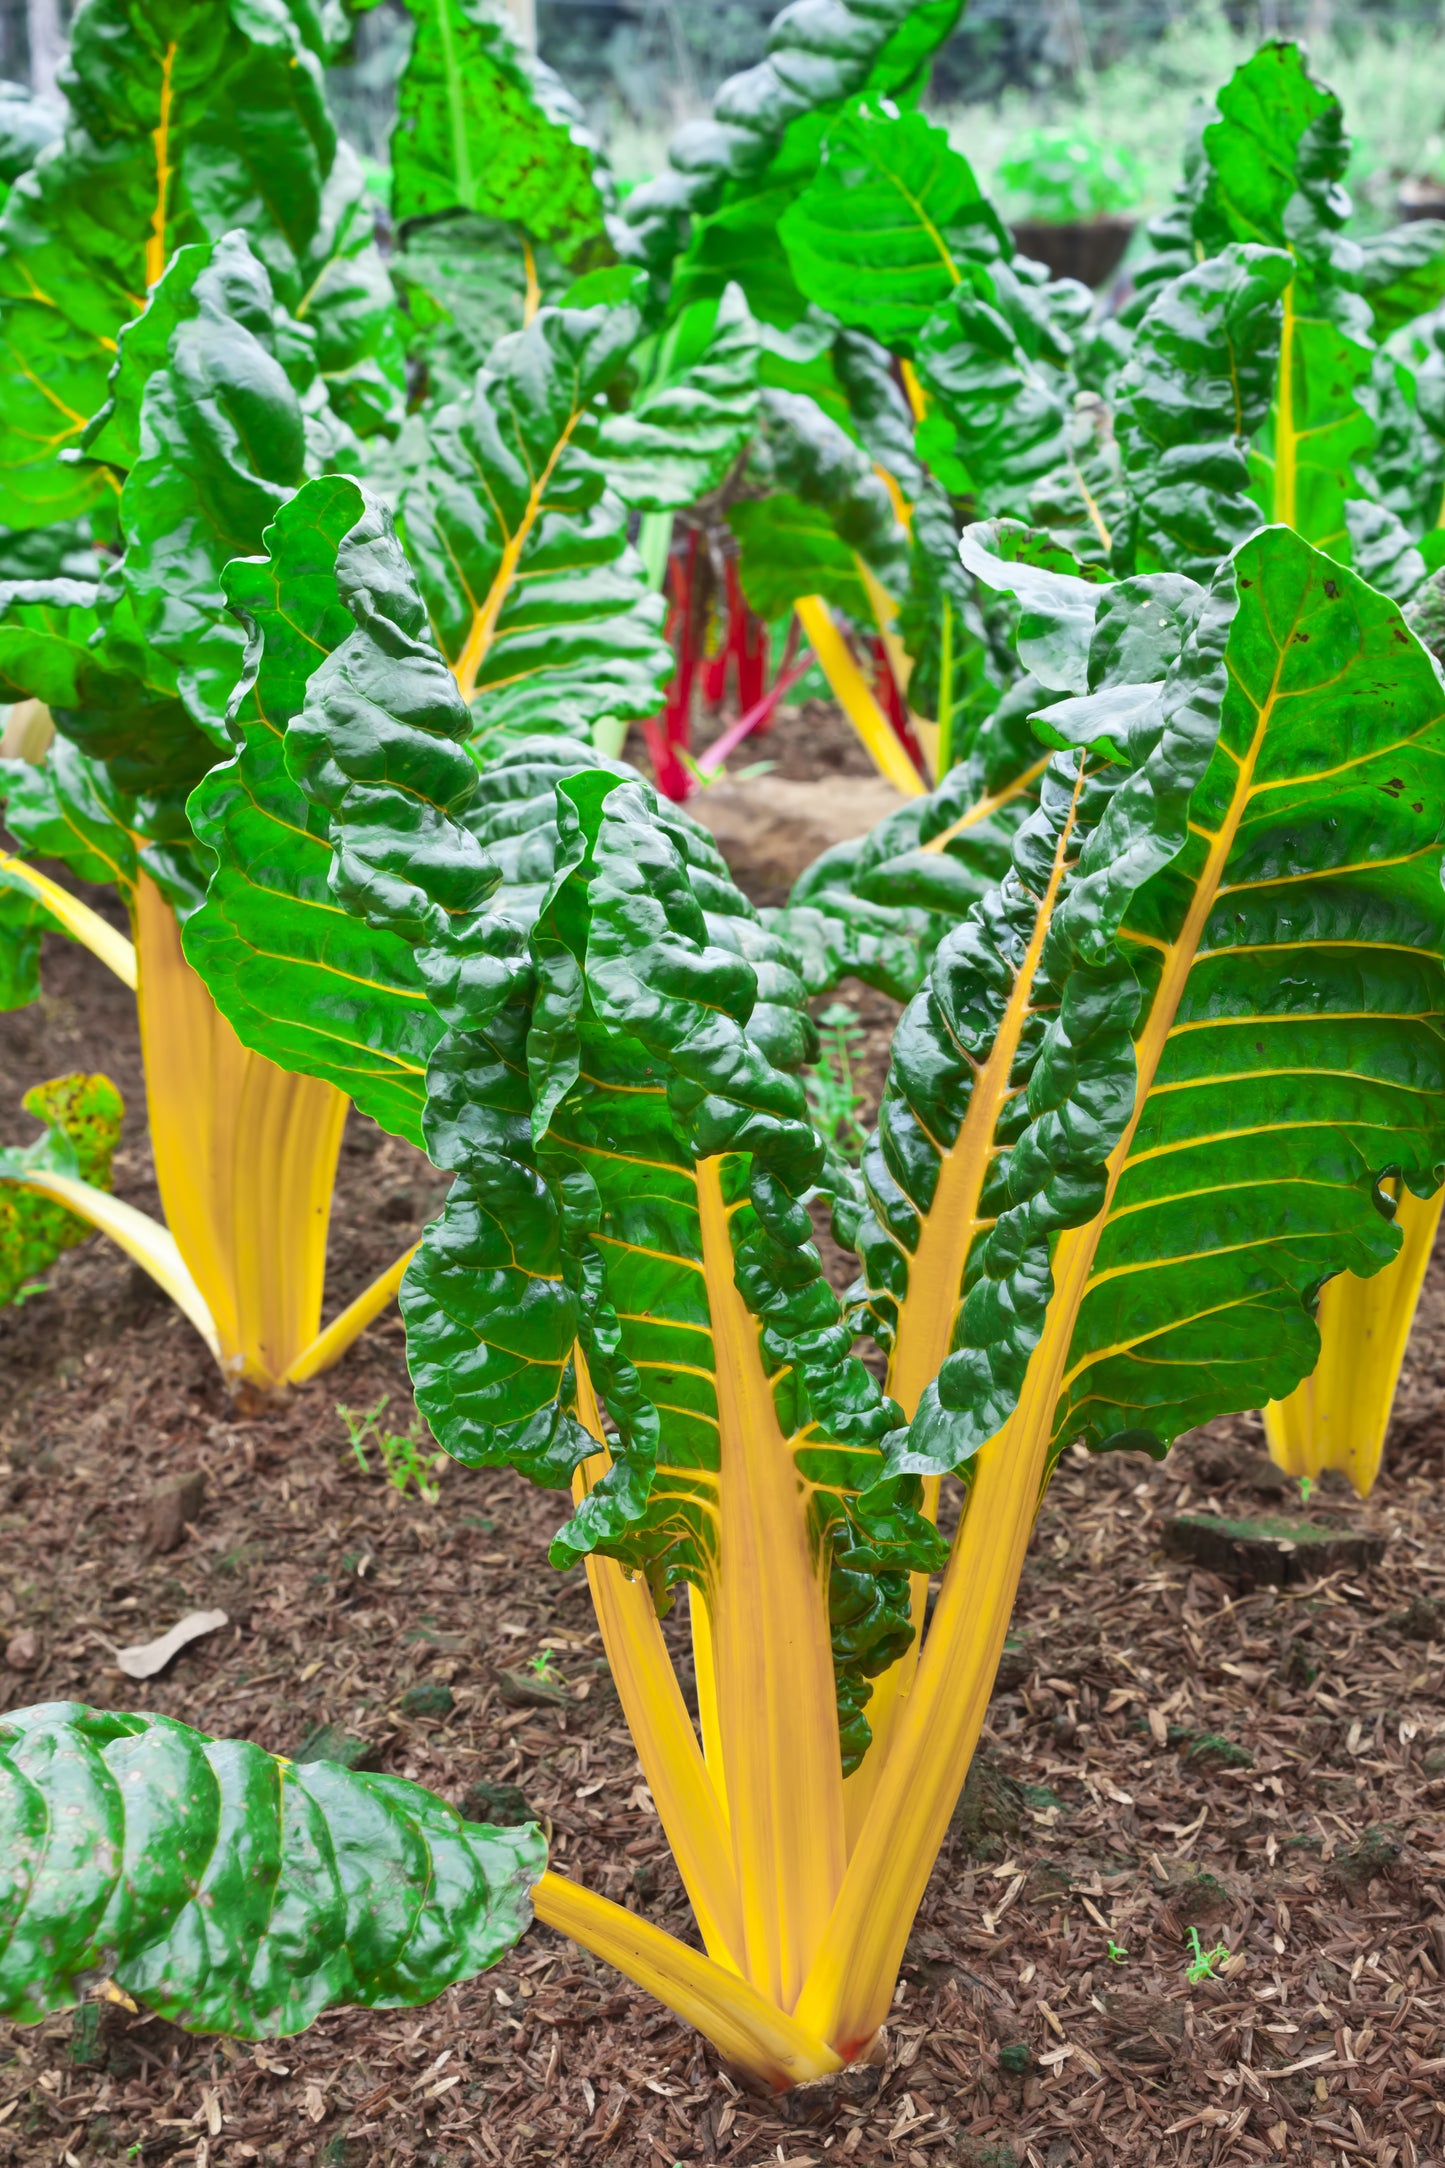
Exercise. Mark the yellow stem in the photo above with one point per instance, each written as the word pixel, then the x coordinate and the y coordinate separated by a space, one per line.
pixel 533 298
pixel 1286 441
pixel 1338 1417
pixel 80 922
pixel 483 628
pixel 152 1246
pixel 682 1789
pixel 768 1611
pixel 850 1987
pixel 740 2022
pixel 156 249
pixel 245 1160
pixel 851 1984
pixel 705 1669
pixel 928 1312
pixel 917 396
pixel 851 691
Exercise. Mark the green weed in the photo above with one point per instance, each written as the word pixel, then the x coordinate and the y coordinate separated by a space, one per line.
pixel 833 1093
pixel 403 1458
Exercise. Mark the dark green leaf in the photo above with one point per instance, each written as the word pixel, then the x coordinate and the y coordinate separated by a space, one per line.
pixel 731 177
pixel 1198 387
pixel 1283 817
pixel 230 1891
pixel 463 281
pixel 826 510
pixel 186 119
pixel 1402 273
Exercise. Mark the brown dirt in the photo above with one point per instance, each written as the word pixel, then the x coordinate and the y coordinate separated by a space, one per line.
pixel 1112 1805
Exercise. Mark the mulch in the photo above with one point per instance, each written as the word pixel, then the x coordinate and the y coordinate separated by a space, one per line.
pixel 1169 1756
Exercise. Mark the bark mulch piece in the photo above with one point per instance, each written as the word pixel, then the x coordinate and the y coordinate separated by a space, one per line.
pixel 1171 1758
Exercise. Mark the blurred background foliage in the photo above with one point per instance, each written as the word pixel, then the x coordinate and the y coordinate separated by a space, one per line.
pixel 1126 71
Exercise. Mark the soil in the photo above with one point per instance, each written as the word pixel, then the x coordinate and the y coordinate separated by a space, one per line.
pixel 1167 1755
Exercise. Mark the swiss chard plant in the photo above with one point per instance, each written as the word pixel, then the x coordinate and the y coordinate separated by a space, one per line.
pixel 1142 1105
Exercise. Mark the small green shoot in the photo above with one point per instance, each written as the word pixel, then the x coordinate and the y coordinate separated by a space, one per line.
pixel 833 1093
pixel 1306 1485
pixel 1202 1962
pixel 1117 1955
pixel 544 1667
pixel 403 1461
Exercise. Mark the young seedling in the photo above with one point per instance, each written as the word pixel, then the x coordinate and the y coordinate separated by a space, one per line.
pixel 834 1098
pixel 402 1460
pixel 1117 1955
pixel 1202 1962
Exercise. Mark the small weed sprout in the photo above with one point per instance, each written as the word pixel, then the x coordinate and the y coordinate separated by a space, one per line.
pixel 544 1666
pixel 403 1461
pixel 1117 1954
pixel 833 1093
pixel 1202 1962
pixel 1306 1485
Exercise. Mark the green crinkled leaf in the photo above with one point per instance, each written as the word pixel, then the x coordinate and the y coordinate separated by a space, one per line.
pixel 220 446
pixel 299 980
pixel 732 176
pixel 1258 903
pixel 535 596
pixel 1000 402
pixel 825 510
pixel 75 646
pixel 347 300
pixel 46 628
pixel 878 413
pixel 879 234
pixel 24 922
pixel 953 670
pixel 230 1891
pixel 693 413
pixel 28 126
pixel 1275 160
pixel 246 142
pixel 82 1117
pixel 483 126
pixel 1058 598
pixel 1405 467
pixel 1382 549
pixel 1197 388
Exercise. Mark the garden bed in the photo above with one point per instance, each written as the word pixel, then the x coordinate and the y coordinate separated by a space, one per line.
pixel 1169 1754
